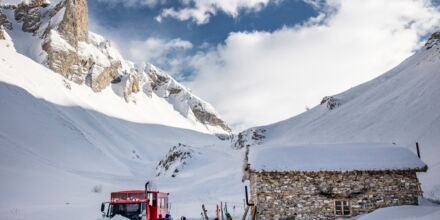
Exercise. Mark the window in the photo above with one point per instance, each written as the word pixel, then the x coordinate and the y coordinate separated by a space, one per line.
pixel 342 208
pixel 153 199
pixel 163 203
pixel 128 210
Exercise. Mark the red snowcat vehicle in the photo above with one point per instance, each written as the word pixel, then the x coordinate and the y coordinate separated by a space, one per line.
pixel 137 205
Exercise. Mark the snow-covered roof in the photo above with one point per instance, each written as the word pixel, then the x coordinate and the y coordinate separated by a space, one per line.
pixel 333 157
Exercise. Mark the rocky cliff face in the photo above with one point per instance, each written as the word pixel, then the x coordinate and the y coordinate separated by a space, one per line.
pixel 433 40
pixel 72 29
pixel 60 30
pixel 74 26
pixel 30 13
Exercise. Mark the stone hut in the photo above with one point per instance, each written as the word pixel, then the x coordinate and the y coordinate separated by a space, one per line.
pixel 331 181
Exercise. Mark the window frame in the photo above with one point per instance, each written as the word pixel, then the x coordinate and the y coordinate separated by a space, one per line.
pixel 342 207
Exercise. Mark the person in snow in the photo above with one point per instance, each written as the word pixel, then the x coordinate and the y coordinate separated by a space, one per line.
pixel 228 216
pixel 167 217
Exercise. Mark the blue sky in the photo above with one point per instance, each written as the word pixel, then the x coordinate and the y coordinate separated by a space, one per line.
pixel 262 61
pixel 139 22
pixel 121 23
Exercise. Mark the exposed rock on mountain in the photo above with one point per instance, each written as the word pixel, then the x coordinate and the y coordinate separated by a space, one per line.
pixel 206 116
pixel 331 102
pixel 252 136
pixel 175 160
pixel 63 28
pixel 433 40
pixel 166 87
pixel 4 22
pixel 100 81
pixel 67 28
pixel 62 58
pixel 74 26
pixel 29 13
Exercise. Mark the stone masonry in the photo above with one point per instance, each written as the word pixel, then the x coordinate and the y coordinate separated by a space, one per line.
pixel 312 194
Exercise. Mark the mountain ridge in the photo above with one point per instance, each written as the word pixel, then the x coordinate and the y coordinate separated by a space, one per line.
pixel 56 34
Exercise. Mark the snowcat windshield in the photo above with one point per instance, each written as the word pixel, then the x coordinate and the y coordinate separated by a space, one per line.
pixel 128 210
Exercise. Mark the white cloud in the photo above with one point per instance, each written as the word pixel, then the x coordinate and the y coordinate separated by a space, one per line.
pixel 158 51
pixel 200 11
pixel 258 78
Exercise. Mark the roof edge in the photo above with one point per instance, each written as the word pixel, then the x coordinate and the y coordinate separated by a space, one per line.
pixel 417 169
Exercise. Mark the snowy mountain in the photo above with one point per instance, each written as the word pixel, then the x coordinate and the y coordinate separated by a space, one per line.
pixel 56 34
pixel 401 106
pixel 78 121
pixel 64 147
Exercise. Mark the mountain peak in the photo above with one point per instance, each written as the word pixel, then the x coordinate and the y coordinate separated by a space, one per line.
pixel 433 40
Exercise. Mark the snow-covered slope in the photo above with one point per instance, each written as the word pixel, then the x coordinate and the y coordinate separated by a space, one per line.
pixel 402 106
pixel 63 147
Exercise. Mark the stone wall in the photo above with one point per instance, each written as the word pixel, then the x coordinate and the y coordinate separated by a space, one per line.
pixel 312 194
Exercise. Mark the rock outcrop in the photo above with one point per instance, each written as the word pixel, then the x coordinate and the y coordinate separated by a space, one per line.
pixel 433 40
pixel 30 14
pixel 74 26
pixel 2 35
pixel 207 117
pixel 331 102
pixel 131 85
pixel 64 30
pixel 106 75
pixel 62 57
pixel 247 138
pixel 4 23
pixel 62 42
pixel 175 160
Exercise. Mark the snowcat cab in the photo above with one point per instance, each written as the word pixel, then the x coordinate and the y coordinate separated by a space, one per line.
pixel 137 205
